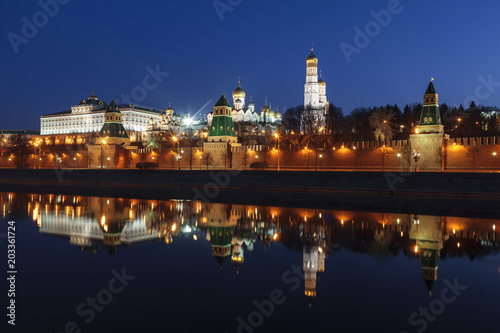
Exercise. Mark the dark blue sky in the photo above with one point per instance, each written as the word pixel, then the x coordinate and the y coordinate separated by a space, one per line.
pixel 264 42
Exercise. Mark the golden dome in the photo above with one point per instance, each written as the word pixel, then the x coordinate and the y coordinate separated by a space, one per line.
pixel 239 92
pixel 312 57
pixel 278 115
pixel 321 82
pixel 270 113
pixel 169 110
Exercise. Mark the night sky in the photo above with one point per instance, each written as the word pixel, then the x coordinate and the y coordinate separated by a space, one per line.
pixel 265 42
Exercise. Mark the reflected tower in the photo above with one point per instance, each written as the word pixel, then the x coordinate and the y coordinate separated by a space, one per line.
pixel 221 222
pixel 428 235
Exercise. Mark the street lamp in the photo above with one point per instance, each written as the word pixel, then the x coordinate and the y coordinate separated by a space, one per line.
pixel 399 157
pixel 37 142
pixel 278 139
pixel 494 161
pixel 417 156
pixel 178 148
pixel 103 142
pixel 108 162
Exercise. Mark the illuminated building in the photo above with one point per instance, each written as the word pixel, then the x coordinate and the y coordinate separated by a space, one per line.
pixel 429 136
pixel 88 116
pixel 242 113
pixel 222 136
pixel 316 104
pixel 109 152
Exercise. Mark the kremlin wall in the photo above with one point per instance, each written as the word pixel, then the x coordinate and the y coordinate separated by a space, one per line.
pixel 95 135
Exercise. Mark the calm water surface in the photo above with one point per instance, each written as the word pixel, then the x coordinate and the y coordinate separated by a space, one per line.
pixel 90 264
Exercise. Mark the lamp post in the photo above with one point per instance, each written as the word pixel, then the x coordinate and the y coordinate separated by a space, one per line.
pixel 178 148
pixel 494 161
pixel 417 157
pixel 278 139
pixel 108 162
pixel 36 144
pixel 399 157
pixel 103 142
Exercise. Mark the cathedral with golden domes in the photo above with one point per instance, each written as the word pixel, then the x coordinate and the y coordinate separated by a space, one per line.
pixel 242 113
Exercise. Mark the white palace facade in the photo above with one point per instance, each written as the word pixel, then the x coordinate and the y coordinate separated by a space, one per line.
pixel 88 117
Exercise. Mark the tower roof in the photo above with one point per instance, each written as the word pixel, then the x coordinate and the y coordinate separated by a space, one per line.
pixel 93 100
pixel 222 101
pixel 312 56
pixel 113 107
pixel 239 92
pixel 430 88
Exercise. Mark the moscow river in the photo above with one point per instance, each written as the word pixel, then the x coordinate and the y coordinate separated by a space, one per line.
pixel 99 264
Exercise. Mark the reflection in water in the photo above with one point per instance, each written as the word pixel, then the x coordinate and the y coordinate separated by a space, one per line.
pixel 93 223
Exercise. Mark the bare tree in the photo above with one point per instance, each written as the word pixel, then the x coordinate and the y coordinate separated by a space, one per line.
pixel 383 153
pixel 407 155
pixel 208 160
pixel 381 120
pixel 440 156
pixel 20 146
pixel 358 155
pixel 244 158
pixel 472 153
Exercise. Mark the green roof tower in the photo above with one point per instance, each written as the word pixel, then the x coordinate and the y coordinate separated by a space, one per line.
pixel 430 119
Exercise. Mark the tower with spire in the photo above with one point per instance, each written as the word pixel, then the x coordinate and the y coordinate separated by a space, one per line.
pixel 427 232
pixel 430 119
pixel 315 101
pixel 222 136
pixel 428 139
pixel 113 141
pixel 113 128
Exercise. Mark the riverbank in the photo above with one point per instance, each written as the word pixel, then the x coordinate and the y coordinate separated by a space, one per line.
pixel 463 194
